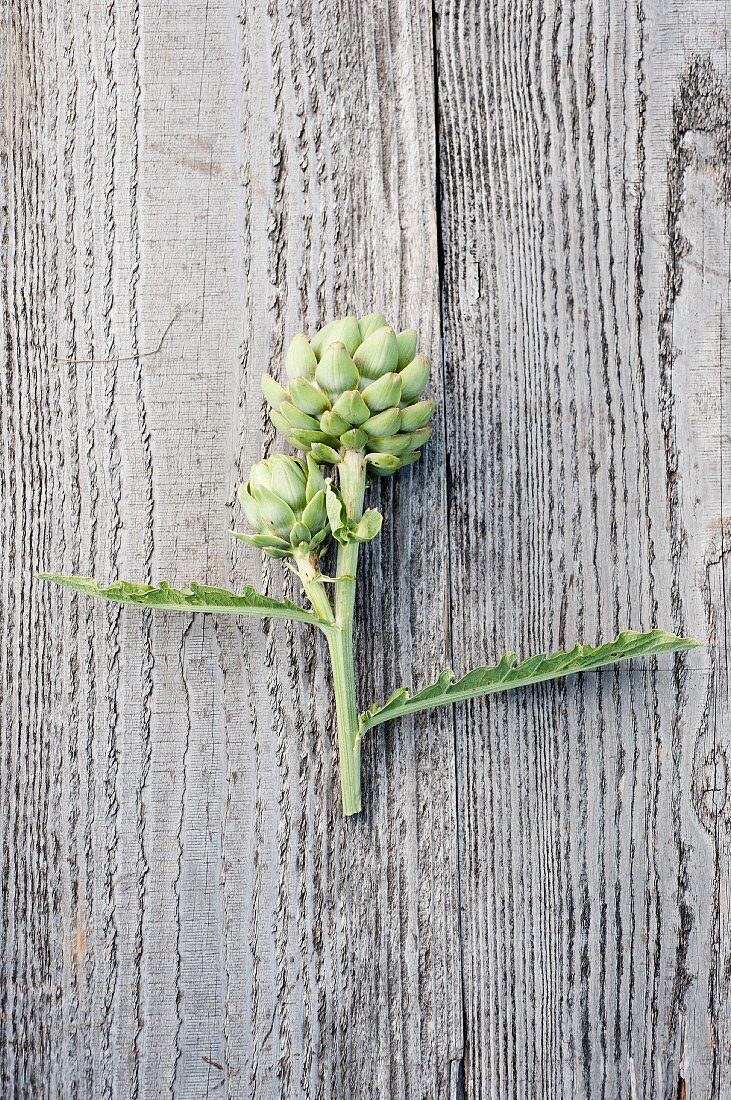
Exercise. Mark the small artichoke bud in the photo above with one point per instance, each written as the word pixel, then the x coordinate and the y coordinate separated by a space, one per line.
pixel 378 354
pixel 356 381
pixel 301 359
pixel 351 407
pixel 307 397
pixel 273 392
pixel 370 323
pixel 336 372
pixel 383 423
pixel 384 393
pixel 345 331
pixel 406 342
pixel 416 416
pixel 284 502
pixel 414 378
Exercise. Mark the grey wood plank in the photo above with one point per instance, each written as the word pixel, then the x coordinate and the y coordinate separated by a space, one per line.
pixel 584 181
pixel 185 912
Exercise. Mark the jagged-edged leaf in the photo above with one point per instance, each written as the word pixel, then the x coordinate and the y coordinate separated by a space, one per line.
pixel 195 597
pixel 510 673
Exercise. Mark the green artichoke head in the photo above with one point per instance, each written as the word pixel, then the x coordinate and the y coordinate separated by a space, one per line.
pixel 284 501
pixel 356 385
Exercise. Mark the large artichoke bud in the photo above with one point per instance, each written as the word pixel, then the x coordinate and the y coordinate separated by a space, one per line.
pixel 284 501
pixel 356 385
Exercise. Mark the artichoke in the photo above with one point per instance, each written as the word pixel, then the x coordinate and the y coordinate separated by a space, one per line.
pixel 285 503
pixel 356 386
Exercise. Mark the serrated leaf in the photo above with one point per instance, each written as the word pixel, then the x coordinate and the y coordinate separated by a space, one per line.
pixel 195 597
pixel 510 673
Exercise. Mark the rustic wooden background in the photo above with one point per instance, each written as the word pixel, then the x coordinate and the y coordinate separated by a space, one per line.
pixel 535 901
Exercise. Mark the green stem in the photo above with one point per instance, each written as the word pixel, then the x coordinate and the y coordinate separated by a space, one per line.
pixel 352 488
pixel 340 644
pixel 309 574
pixel 341 655
pixel 340 638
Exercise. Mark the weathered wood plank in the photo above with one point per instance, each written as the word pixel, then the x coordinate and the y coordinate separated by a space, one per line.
pixel 584 177
pixel 184 910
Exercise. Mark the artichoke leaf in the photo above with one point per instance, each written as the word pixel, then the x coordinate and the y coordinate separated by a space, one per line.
pixel 350 530
pixel 336 515
pixel 193 597
pixel 367 527
pixel 510 673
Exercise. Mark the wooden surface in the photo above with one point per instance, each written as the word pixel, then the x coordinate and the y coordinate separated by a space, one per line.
pixel 535 900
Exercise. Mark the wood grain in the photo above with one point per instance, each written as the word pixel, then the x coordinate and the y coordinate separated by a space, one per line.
pixel 584 208
pixel 185 912
pixel 535 899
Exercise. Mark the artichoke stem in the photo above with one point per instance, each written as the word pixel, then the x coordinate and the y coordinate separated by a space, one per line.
pixel 309 574
pixel 340 644
pixel 352 471
pixel 341 654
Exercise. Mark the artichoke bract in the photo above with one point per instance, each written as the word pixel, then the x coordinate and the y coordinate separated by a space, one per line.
pixel 284 501
pixel 356 385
